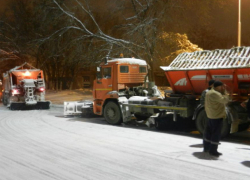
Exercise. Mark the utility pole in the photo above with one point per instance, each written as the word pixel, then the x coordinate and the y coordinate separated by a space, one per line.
pixel 239 25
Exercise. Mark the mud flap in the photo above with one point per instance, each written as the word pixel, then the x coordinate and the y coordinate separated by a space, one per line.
pixel 23 106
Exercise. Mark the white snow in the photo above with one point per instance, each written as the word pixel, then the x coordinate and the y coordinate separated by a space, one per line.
pixel 237 57
pixel 129 61
pixel 43 145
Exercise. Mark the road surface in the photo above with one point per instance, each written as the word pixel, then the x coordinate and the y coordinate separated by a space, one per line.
pixel 43 145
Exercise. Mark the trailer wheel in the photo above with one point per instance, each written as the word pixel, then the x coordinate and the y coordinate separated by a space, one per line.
pixel 4 100
pixel 225 129
pixel 112 113
pixel 201 123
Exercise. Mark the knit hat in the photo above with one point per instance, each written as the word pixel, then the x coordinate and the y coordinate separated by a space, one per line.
pixel 211 82
pixel 218 83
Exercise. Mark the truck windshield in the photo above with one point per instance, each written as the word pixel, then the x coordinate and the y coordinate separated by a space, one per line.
pixel 107 72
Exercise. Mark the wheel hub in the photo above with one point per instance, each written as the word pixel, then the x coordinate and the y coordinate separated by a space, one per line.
pixel 111 113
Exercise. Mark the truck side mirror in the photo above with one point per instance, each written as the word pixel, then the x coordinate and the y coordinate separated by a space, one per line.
pixel 98 74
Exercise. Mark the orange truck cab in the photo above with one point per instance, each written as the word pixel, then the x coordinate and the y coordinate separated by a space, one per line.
pixel 120 84
pixel 117 81
pixel 115 78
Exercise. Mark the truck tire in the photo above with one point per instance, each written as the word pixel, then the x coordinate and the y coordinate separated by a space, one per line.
pixel 5 99
pixel 200 123
pixel 112 113
pixel 225 131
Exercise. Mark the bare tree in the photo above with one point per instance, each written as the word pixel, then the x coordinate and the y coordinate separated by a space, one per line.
pixel 76 39
pixel 63 36
pixel 143 26
pixel 93 33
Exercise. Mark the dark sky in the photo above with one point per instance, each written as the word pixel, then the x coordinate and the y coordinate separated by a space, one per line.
pixel 3 4
pixel 224 23
pixel 227 23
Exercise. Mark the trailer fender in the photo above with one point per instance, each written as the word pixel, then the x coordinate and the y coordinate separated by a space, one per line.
pixel 232 119
pixel 197 110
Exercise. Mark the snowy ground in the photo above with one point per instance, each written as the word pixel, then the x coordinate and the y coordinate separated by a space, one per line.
pixel 43 145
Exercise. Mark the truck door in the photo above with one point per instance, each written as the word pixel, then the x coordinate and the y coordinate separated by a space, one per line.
pixel 105 84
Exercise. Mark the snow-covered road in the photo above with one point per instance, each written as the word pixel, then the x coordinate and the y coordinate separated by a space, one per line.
pixel 41 145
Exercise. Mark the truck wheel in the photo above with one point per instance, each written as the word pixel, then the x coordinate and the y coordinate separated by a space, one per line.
pixel 112 113
pixel 5 99
pixel 201 123
pixel 225 131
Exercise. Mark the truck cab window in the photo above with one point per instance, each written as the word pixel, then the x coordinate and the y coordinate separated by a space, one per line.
pixel 124 69
pixel 107 72
pixel 142 69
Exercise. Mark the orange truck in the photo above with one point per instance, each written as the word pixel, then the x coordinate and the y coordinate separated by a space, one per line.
pixel 24 88
pixel 122 92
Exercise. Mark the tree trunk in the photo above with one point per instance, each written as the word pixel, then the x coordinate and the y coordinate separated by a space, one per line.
pixel 151 71
pixel 57 79
pixel 60 87
pixel 71 84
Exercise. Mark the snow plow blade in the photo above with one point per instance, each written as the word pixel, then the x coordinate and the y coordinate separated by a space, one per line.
pixel 43 105
pixel 23 106
pixel 75 108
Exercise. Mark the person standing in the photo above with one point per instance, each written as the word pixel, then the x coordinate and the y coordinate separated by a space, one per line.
pixel 215 107
pixel 203 94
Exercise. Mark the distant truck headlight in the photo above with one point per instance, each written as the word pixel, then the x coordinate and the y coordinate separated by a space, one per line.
pixel 15 91
pixel 41 89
